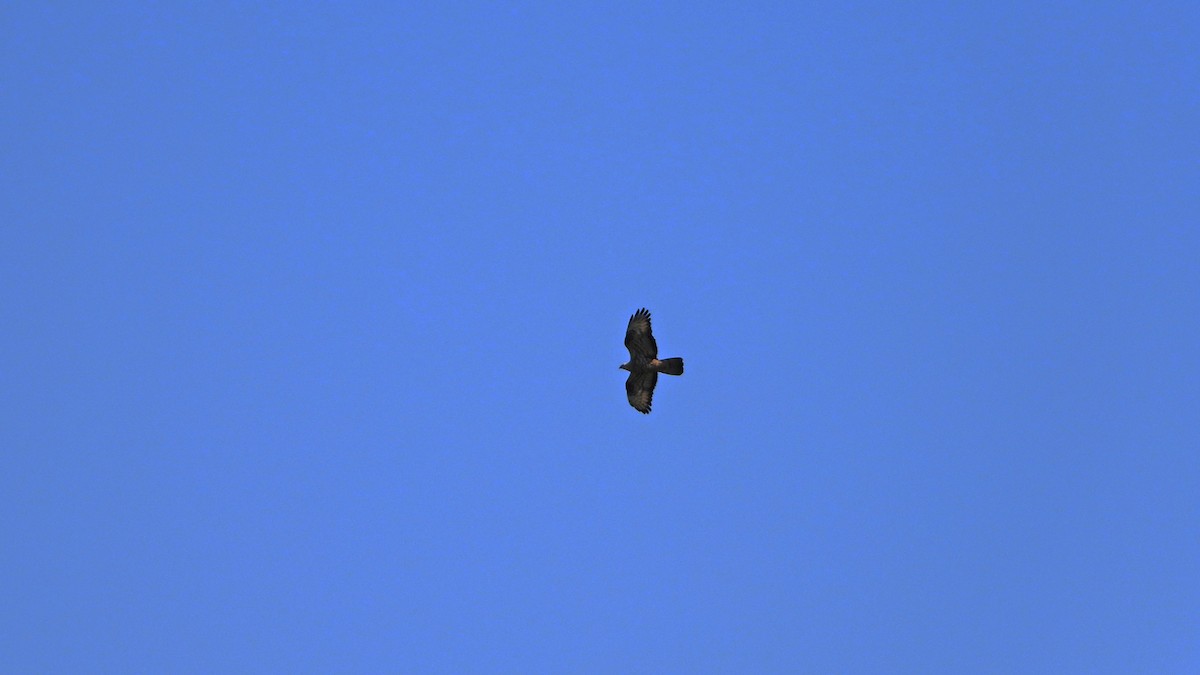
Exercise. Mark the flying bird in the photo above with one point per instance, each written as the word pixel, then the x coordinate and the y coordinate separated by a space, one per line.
pixel 644 364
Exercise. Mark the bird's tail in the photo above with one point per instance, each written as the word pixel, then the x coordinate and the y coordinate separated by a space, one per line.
pixel 671 366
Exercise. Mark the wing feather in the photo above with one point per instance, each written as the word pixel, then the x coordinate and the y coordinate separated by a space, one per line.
pixel 639 388
pixel 638 338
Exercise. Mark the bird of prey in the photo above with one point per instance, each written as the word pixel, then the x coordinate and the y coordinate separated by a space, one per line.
pixel 644 364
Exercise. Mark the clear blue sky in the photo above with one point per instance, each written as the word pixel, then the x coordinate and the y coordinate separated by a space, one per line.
pixel 311 317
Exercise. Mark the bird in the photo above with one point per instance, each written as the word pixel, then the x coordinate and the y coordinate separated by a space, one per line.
pixel 644 364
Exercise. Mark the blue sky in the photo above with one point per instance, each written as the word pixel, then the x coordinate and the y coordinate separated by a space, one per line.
pixel 312 316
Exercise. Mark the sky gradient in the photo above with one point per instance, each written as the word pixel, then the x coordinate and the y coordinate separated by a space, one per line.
pixel 311 318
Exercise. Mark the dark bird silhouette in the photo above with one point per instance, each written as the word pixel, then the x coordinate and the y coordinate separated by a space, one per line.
pixel 644 364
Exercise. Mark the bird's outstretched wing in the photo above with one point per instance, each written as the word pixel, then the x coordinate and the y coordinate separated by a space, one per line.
pixel 640 390
pixel 640 342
